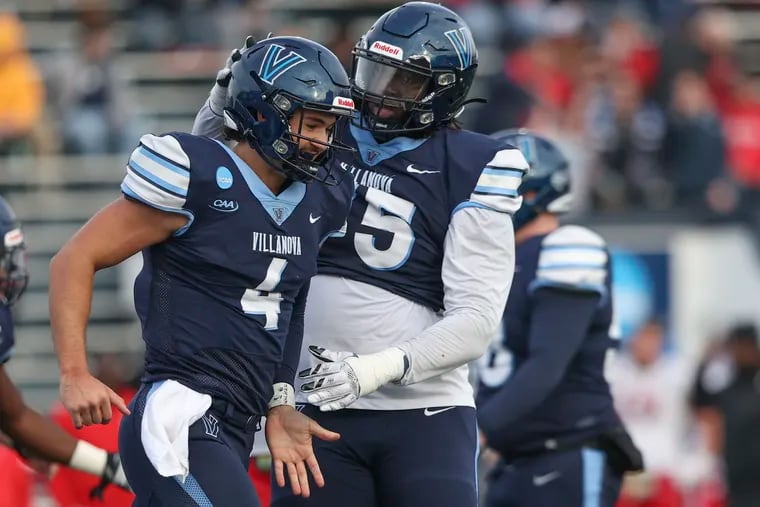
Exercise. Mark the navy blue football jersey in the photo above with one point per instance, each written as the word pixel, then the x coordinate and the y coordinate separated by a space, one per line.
pixel 6 333
pixel 406 192
pixel 571 258
pixel 215 300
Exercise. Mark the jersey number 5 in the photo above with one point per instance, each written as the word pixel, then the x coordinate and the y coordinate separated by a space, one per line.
pixel 392 214
pixel 262 300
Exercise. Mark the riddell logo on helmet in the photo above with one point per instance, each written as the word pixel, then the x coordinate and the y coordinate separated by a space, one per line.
pixel 343 102
pixel 386 49
pixel 12 238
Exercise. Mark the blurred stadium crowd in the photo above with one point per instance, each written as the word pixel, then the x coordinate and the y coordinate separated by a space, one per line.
pixel 657 103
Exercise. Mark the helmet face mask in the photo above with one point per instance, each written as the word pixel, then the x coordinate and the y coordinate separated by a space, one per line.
pixel 279 87
pixel 412 70
pixel 14 266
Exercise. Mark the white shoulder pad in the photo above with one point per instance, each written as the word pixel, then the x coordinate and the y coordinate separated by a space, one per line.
pixel 158 173
pixel 573 257
pixel 499 180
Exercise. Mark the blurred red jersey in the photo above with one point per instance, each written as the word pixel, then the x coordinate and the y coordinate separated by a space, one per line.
pixel 71 488
pixel 15 481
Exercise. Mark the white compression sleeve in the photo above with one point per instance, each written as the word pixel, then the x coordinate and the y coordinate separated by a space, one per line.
pixel 477 271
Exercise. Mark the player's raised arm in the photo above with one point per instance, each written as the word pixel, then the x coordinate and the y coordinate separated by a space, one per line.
pixel 116 232
pixel 209 120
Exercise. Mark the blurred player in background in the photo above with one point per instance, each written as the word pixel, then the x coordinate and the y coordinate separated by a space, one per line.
pixel 543 402
pixel 229 240
pixel 70 488
pixel 30 431
pixel 416 287
pixel 650 389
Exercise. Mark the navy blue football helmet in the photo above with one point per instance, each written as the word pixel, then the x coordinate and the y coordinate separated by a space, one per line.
pixel 275 77
pixel 412 70
pixel 546 186
pixel 14 272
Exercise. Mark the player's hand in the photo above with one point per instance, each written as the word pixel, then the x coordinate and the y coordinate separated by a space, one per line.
pixel 112 474
pixel 88 400
pixel 342 377
pixel 218 95
pixel 289 437
pixel 333 383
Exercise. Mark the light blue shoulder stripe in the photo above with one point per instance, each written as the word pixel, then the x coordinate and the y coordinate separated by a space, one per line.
pixel 573 246
pixel 499 171
pixel 156 180
pixel 496 191
pixel 176 168
pixel 469 204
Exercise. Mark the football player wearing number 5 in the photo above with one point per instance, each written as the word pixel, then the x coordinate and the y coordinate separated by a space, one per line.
pixel 416 288
pixel 229 240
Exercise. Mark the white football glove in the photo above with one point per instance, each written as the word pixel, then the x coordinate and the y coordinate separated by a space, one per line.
pixel 343 376
pixel 217 99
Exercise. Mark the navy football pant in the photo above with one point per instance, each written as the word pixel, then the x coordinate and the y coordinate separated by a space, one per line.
pixel 575 478
pixel 218 463
pixel 399 458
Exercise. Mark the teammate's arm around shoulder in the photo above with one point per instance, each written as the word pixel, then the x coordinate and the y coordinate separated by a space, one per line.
pixel 113 234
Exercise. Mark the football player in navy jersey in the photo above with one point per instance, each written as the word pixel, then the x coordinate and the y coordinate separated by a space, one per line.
pixel 416 287
pixel 543 402
pixel 229 240
pixel 28 429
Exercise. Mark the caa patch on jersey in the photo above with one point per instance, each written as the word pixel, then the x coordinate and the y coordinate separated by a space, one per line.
pixel 158 174
pixel 497 185
pixel 573 257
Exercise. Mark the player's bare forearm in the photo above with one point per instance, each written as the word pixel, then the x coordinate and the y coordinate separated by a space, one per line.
pixel 115 233
pixel 70 297
pixel 43 437
pixel 29 429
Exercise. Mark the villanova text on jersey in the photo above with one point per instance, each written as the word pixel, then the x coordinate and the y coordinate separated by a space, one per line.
pixel 216 299
pixel 406 193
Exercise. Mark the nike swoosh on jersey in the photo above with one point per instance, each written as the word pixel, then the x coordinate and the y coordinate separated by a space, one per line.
pixel 411 169
pixel 314 219
pixel 428 411
pixel 543 480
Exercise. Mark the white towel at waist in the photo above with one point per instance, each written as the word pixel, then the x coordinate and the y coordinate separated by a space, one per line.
pixel 170 409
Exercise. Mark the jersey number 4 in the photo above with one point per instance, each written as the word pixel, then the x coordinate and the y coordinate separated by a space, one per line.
pixel 392 214
pixel 263 300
